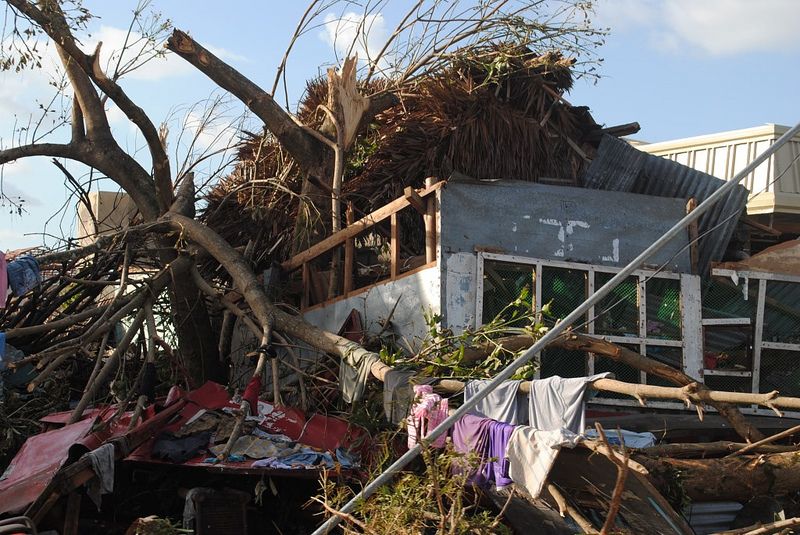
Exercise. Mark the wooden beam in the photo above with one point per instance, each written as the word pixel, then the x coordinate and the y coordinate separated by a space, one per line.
pixel 349 253
pixel 430 225
pixel 415 200
pixel 72 515
pixel 394 247
pixel 354 230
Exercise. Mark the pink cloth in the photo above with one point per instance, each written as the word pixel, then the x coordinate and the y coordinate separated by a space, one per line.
pixel 429 411
pixel 3 280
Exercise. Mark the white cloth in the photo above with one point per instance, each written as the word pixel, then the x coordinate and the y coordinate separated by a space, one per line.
pixel 103 465
pixel 531 454
pixel 557 403
pixel 503 404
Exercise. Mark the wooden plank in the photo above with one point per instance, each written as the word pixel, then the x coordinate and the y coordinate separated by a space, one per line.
pixel 415 200
pixel 349 253
pixel 72 516
pixel 354 230
pixel 430 225
pixel 394 247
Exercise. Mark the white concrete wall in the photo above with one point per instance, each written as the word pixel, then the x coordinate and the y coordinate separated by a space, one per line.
pixel 417 293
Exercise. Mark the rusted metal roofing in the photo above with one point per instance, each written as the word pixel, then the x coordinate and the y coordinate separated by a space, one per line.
pixel 781 258
pixel 620 167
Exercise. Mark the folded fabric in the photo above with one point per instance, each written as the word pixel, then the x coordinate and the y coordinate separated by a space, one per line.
pixel 621 437
pixel 489 440
pixel 23 274
pixel 557 403
pixel 3 280
pixel 428 412
pixel 397 394
pixel 102 460
pixel 532 453
pixel 504 403
pixel 354 372
pixel 304 459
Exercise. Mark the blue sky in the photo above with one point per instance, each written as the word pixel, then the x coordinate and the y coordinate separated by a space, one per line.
pixel 678 67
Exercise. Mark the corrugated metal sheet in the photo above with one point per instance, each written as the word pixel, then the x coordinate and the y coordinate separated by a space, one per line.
pixel 621 167
pixel 712 517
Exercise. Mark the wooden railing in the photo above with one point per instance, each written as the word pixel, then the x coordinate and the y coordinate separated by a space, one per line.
pixel 421 200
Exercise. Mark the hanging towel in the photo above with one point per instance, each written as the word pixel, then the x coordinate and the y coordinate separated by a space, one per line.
pixel 103 465
pixel 428 412
pixel 531 454
pixel 557 403
pixel 3 280
pixel 489 440
pixel 23 274
pixel 504 403
pixel 354 372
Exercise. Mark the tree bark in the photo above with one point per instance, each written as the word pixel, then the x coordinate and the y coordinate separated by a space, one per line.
pixel 735 478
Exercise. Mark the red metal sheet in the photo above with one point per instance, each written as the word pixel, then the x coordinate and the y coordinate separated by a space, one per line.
pixel 36 463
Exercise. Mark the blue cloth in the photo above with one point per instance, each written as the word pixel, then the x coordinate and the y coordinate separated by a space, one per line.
pixel 630 438
pixel 23 274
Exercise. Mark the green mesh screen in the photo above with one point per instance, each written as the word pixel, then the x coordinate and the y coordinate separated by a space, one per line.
pixel 780 370
pixel 622 372
pixel 562 362
pixel 503 283
pixel 617 314
pixel 565 290
pixel 728 347
pixel 671 356
pixel 782 312
pixel 722 299
pixel 729 384
pixel 664 309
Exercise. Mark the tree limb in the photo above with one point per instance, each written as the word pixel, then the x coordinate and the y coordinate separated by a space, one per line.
pixel 308 152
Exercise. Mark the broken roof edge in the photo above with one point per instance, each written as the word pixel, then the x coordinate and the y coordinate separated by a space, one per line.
pixel 783 258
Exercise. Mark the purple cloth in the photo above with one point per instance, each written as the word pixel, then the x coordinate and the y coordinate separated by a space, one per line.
pixel 488 438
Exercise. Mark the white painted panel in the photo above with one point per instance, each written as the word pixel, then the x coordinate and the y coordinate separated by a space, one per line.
pixel 720 162
pixel 701 160
pixel 417 294
pixel 761 175
pixel 459 292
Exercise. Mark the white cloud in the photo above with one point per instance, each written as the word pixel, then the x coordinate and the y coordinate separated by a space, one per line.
pixel 366 35
pixel 712 27
pixel 731 26
pixel 168 65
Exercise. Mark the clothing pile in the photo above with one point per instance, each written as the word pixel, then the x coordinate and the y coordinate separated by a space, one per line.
pixel 21 274
pixel 515 436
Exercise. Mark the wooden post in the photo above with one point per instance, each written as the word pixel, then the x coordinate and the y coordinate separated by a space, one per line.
pixel 694 253
pixel 72 515
pixel 349 253
pixel 430 224
pixel 394 247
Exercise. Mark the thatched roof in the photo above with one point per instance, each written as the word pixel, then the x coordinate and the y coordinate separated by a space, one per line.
pixel 494 113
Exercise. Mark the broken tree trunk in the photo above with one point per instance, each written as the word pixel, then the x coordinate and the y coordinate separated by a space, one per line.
pixel 580 342
pixel 733 478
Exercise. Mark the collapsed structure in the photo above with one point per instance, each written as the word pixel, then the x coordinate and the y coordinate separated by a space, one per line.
pixel 475 194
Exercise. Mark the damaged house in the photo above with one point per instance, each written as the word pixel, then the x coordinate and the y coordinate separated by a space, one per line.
pixel 481 195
